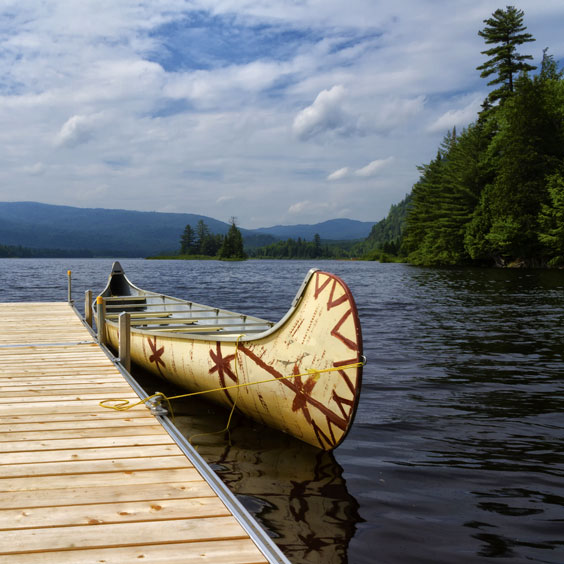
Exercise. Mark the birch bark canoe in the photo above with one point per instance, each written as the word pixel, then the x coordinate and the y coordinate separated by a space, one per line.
pixel 312 356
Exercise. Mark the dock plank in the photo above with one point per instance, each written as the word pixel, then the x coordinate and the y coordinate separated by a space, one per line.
pixel 80 483
pixel 121 534
pixel 133 511
pixel 234 551
pixel 20 426
pixel 113 453
pixel 102 494
pixel 74 467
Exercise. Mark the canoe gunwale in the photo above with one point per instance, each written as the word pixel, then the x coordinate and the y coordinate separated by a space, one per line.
pixel 206 334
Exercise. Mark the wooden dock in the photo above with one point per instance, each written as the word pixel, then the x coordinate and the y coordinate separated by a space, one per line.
pixel 82 484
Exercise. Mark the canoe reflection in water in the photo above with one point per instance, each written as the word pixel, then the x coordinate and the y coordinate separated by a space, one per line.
pixel 296 491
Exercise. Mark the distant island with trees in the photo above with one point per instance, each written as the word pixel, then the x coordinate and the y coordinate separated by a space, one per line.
pixel 198 243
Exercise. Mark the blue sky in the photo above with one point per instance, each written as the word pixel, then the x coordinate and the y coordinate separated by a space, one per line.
pixel 295 111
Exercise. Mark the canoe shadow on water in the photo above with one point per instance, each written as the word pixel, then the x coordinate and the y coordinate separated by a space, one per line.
pixel 295 491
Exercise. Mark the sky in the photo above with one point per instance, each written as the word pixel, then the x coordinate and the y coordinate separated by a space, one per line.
pixel 272 112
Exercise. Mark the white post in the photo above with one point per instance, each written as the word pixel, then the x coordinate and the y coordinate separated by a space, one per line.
pixel 125 340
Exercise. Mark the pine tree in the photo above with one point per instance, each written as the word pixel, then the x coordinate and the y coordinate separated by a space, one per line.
pixel 232 246
pixel 551 220
pixel 423 212
pixel 202 236
pixel 505 29
pixel 528 148
pixel 317 252
pixel 187 241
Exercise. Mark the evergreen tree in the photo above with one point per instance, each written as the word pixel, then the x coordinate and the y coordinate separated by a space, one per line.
pixel 317 252
pixel 232 246
pixel 386 235
pixel 202 236
pixel 505 29
pixel 424 211
pixel 211 245
pixel 551 220
pixel 528 147
pixel 495 193
pixel 187 241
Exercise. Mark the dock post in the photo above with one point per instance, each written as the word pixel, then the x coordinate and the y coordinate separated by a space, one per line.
pixel 125 340
pixel 100 319
pixel 88 307
pixel 69 275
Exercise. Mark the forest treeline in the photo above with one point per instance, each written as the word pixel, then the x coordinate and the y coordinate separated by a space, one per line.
pixel 494 193
pixel 200 242
pixel 302 249
pixel 17 251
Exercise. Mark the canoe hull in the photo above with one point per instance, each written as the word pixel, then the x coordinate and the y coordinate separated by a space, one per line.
pixel 315 345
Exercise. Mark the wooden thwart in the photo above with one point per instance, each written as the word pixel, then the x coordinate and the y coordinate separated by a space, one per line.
pixel 81 484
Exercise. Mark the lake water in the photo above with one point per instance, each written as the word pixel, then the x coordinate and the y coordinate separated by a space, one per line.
pixel 457 451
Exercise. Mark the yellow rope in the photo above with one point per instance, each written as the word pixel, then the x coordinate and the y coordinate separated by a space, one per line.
pixel 226 429
pixel 124 404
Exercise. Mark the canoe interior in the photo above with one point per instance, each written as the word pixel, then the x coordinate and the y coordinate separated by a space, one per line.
pixel 153 312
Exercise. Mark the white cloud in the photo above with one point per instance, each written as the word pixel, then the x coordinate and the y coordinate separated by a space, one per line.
pixel 339 174
pixel 226 86
pixel 225 199
pixel 372 168
pixel 326 114
pixel 76 131
pixel 35 169
pixel 394 112
pixel 299 207
pixel 320 85
pixel 368 171
pixel 457 118
pixel 307 206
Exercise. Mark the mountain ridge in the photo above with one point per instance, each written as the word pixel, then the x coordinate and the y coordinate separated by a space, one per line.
pixel 107 231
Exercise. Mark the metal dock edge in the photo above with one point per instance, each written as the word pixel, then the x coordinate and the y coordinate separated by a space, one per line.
pixel 259 536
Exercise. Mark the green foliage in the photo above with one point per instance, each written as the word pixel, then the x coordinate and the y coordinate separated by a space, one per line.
pixel 504 29
pixel 302 249
pixel 232 244
pixel 200 241
pixel 444 200
pixel 551 220
pixel 494 194
pixel 386 235
pixel 17 251
pixel 526 150
pixel 187 241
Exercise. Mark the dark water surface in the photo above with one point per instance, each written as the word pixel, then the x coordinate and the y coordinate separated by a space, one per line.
pixel 457 451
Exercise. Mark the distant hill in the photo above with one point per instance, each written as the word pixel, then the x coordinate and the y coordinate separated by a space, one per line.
pixel 333 229
pixel 103 231
pixel 386 235
pixel 107 232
